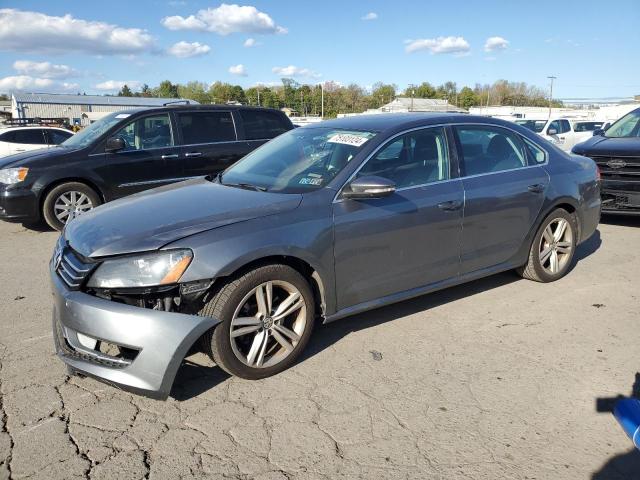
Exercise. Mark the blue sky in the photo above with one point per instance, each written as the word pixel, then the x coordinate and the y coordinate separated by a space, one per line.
pixel 592 47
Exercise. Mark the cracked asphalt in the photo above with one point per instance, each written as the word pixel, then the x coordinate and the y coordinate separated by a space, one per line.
pixel 493 379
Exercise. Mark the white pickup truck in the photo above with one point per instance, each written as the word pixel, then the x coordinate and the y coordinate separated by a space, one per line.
pixel 564 132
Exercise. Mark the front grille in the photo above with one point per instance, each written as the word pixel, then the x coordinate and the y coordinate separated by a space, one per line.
pixel 70 267
pixel 619 168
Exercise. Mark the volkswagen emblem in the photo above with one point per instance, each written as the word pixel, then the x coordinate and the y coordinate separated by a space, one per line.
pixel 616 163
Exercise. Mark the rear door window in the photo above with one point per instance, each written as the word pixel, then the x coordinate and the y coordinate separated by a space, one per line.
pixel 259 124
pixel 490 149
pixel 32 136
pixel 206 127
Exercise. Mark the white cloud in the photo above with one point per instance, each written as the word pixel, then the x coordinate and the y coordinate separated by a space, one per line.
pixel 23 31
pixel 238 70
pixel 43 69
pixel 27 82
pixel 456 45
pixel 293 71
pixel 226 19
pixel 370 16
pixel 187 50
pixel 495 43
pixel 113 85
pixel 251 42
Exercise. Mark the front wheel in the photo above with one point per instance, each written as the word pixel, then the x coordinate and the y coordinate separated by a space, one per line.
pixel 66 201
pixel 553 248
pixel 267 317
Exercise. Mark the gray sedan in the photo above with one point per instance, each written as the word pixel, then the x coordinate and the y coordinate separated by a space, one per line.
pixel 320 223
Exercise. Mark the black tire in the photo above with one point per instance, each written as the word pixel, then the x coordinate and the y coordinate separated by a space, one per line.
pixel 48 206
pixel 534 269
pixel 227 299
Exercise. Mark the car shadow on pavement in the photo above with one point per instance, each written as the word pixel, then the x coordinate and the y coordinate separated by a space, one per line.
pixel 196 377
pixel 621 220
pixel 626 465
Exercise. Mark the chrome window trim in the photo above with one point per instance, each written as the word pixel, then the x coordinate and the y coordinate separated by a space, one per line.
pixel 461 177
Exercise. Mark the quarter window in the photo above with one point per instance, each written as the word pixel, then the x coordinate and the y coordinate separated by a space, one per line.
pixel 412 159
pixel 147 132
pixel 206 127
pixel 536 154
pixel 56 137
pixel 490 149
pixel 259 124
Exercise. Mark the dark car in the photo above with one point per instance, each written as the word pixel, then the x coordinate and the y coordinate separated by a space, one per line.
pixel 323 222
pixel 127 152
pixel 616 150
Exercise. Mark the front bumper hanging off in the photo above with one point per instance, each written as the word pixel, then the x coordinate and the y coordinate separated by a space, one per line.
pixel 157 341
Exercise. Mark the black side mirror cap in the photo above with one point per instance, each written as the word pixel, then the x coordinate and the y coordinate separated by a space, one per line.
pixel 114 144
pixel 369 187
pixel 598 132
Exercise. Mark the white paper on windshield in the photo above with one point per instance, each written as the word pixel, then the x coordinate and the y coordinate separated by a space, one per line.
pixel 348 139
pixel 123 115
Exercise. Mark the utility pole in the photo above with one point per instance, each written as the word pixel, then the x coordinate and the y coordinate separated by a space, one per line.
pixel 321 100
pixel 258 90
pixel 552 78
pixel 413 92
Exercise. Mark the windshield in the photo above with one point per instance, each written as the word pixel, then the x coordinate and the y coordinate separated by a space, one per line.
pixel 88 135
pixel 533 125
pixel 627 126
pixel 298 161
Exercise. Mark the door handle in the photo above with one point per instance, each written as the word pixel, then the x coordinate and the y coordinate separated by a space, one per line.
pixel 193 154
pixel 167 157
pixel 450 206
pixel 536 188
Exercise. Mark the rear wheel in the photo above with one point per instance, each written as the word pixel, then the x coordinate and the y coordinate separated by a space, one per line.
pixel 267 317
pixel 553 248
pixel 67 201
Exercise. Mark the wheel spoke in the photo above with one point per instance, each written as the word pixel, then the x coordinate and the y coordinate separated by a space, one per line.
pixel 258 340
pixel 244 330
pixel 287 332
pixel 64 199
pixel 554 262
pixel 281 340
pixel 245 321
pixel 560 229
pixel 263 349
pixel 269 299
pixel 548 234
pixel 262 301
pixel 545 254
pixel 74 198
pixel 292 303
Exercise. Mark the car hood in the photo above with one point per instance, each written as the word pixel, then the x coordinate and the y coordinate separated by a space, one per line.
pixel 149 220
pixel 28 159
pixel 599 145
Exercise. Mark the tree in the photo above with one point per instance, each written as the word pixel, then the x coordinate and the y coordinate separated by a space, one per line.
pixel 166 89
pixel 424 90
pixel 125 91
pixel 195 91
pixel 468 98
pixel 382 93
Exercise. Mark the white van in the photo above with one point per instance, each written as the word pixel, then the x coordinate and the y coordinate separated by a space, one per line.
pixel 562 131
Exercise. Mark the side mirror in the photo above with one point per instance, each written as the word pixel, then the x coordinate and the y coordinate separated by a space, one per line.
pixel 552 131
pixel 369 187
pixel 114 144
pixel 598 132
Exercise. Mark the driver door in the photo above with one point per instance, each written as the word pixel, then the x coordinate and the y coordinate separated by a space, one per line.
pixel 149 158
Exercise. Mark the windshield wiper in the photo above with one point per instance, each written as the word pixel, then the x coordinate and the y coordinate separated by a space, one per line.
pixel 246 186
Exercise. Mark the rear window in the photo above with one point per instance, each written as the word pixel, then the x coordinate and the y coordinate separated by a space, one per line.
pixel 206 127
pixel 32 136
pixel 587 126
pixel 259 124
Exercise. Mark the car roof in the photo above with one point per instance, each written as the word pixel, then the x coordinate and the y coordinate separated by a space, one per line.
pixel 26 127
pixel 387 122
pixel 191 107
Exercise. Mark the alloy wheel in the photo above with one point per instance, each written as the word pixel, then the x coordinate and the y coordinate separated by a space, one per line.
pixel 268 324
pixel 71 204
pixel 556 245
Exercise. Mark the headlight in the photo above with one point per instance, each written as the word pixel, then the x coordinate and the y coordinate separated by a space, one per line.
pixel 148 270
pixel 10 176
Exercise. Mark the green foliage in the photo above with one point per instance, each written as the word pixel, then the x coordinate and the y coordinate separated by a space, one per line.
pixel 166 89
pixel 125 91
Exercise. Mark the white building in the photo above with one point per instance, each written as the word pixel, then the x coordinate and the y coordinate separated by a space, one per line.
pixel 606 113
pixel 81 109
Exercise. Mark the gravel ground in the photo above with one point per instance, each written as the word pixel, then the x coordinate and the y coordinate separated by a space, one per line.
pixel 496 379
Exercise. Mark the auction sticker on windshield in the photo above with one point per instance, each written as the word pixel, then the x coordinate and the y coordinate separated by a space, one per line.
pixel 348 139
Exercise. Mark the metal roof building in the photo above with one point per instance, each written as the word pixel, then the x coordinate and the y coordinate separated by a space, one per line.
pixel 407 104
pixel 82 109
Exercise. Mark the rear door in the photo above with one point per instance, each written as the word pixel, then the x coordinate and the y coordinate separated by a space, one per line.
pixel 147 161
pixel 563 136
pixel 209 141
pixel 504 183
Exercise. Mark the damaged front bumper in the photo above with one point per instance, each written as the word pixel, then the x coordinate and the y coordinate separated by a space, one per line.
pixel 151 344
